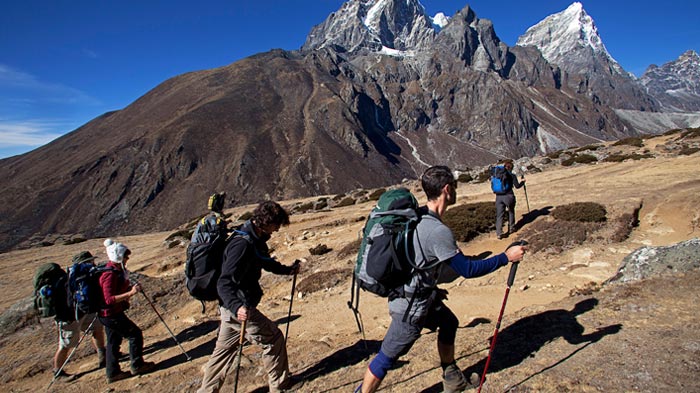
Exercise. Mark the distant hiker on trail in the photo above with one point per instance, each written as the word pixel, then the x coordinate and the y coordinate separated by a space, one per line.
pixel 505 198
pixel 205 252
pixel 419 304
pixel 245 256
pixel 69 329
pixel 214 222
pixel 117 290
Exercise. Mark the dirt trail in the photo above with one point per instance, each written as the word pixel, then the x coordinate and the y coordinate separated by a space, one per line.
pixel 638 337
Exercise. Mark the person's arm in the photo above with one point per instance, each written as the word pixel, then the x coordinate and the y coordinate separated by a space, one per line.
pixel 232 274
pixel 274 266
pixel 516 183
pixel 468 268
pixel 109 282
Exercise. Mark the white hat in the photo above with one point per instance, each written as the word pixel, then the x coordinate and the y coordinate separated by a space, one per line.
pixel 116 251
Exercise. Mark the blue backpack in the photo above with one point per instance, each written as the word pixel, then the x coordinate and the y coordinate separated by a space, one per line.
pixel 501 180
pixel 84 287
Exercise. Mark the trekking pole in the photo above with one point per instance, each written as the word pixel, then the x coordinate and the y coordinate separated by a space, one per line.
pixel 85 333
pixel 522 176
pixel 511 278
pixel 291 300
pixel 165 324
pixel 239 356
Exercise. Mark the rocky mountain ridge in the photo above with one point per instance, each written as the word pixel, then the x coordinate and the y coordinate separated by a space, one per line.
pixel 354 108
pixel 676 84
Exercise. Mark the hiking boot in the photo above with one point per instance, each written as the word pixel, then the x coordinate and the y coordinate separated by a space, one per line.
pixel 453 379
pixel 292 384
pixel 118 376
pixel 143 368
pixel 63 376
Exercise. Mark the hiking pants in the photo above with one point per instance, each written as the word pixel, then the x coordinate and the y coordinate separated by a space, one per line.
pixel 118 327
pixel 259 330
pixel 503 202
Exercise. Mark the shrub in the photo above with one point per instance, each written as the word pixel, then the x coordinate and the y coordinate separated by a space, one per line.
pixel 470 220
pixel 374 195
pixel 632 141
pixel 554 155
pixel 587 147
pixel 350 249
pixel 556 236
pixel 304 207
pixel 322 280
pixel 686 150
pixel 319 250
pixel 347 201
pixel 579 159
pixel 74 240
pixel 690 133
pixel 464 178
pixel 485 175
pixel 580 212
pixel 623 157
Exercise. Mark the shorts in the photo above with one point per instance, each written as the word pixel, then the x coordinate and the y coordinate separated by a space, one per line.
pixel 69 332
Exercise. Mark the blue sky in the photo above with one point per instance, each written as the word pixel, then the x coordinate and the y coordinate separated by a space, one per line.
pixel 63 63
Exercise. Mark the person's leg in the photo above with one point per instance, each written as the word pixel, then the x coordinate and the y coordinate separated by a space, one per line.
pixel 398 340
pixel 114 340
pixel 442 319
pixel 98 340
pixel 224 352
pixel 511 214
pixel 128 330
pixel 68 337
pixel 263 331
pixel 500 211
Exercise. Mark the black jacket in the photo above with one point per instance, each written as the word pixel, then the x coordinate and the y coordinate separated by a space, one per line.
pixel 244 258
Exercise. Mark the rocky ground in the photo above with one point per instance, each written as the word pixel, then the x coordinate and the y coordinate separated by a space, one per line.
pixel 568 325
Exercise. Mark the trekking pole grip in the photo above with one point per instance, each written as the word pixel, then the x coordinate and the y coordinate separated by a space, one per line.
pixel 514 265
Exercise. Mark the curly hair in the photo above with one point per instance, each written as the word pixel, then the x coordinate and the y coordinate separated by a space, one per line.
pixel 270 212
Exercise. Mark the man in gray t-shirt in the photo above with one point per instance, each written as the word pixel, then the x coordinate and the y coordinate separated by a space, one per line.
pixel 421 306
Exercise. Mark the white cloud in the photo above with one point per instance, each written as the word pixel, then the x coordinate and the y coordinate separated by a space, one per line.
pixel 21 85
pixel 29 133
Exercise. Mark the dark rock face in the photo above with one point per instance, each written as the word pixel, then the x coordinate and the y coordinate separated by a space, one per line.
pixel 676 84
pixel 357 107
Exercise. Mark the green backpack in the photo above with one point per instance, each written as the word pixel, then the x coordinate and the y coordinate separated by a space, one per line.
pixel 385 260
pixel 50 294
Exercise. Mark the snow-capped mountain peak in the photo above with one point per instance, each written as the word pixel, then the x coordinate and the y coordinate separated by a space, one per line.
pixel 570 30
pixel 440 20
pixel 375 25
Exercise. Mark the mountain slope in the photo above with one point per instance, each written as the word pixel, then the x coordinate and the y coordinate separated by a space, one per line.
pixel 563 329
pixel 570 40
pixel 676 84
pixel 376 95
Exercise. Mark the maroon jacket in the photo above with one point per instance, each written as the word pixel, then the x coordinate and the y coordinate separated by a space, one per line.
pixel 113 283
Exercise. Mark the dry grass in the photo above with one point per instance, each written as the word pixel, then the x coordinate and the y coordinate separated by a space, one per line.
pixel 470 220
pixel 580 212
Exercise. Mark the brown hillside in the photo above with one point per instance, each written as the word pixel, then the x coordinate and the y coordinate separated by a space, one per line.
pixel 563 330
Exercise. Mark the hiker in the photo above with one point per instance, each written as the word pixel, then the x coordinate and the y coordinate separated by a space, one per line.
pixel 117 290
pixel 506 200
pixel 245 256
pixel 213 223
pixel 205 252
pixel 419 303
pixel 69 329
